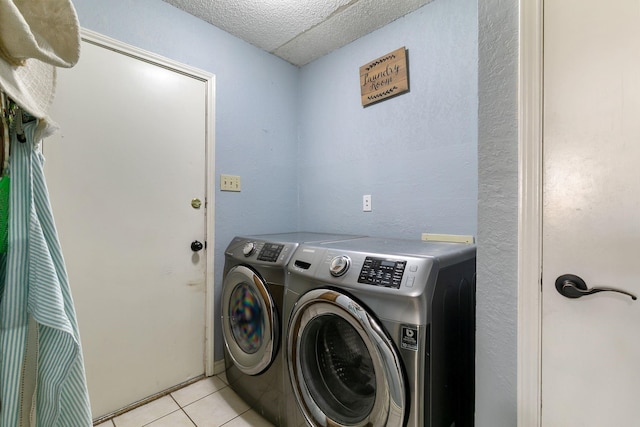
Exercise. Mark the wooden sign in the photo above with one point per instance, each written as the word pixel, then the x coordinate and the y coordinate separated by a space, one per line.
pixel 384 77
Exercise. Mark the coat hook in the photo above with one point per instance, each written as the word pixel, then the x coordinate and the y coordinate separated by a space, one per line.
pixel 19 125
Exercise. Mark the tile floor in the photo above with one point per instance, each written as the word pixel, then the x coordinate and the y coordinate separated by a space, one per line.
pixel 207 403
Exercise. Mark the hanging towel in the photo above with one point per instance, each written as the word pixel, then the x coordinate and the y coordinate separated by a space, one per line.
pixel 36 308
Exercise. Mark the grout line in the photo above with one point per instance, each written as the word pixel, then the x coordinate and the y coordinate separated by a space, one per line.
pixel 174 399
pixel 237 416
pixel 183 411
pixel 200 398
pixel 190 419
pixel 159 418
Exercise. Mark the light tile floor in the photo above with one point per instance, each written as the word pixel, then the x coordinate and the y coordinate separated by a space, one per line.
pixel 207 403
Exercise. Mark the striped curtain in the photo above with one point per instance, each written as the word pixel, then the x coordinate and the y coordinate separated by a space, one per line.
pixel 42 377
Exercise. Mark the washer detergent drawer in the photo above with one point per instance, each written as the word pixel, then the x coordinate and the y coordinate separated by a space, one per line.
pixel 344 369
pixel 249 320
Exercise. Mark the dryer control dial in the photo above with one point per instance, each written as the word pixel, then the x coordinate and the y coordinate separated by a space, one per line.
pixel 339 265
pixel 248 248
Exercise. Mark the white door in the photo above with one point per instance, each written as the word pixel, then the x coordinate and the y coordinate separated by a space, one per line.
pixel 122 172
pixel 591 219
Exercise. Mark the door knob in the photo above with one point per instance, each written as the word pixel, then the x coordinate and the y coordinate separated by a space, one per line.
pixel 196 246
pixel 572 286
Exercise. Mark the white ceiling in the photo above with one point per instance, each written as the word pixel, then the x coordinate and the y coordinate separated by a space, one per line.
pixel 298 31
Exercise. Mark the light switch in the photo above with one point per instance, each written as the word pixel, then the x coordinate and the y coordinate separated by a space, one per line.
pixel 230 183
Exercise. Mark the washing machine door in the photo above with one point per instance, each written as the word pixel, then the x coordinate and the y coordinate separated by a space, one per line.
pixel 344 369
pixel 249 320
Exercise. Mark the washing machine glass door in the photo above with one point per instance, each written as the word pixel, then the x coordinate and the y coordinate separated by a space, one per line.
pixel 249 320
pixel 344 369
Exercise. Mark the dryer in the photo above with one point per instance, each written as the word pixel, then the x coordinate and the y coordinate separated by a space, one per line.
pixel 380 332
pixel 251 308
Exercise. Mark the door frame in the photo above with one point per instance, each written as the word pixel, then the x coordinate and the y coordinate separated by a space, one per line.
pixel 530 181
pixel 209 80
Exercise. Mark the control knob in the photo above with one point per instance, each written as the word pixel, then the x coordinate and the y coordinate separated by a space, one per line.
pixel 339 265
pixel 248 248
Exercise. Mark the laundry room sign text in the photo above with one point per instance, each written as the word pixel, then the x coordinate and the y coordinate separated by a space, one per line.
pixel 384 77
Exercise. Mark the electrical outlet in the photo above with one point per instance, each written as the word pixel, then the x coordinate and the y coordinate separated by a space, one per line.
pixel 229 183
pixel 366 203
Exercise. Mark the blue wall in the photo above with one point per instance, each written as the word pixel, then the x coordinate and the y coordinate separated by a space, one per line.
pixel 415 154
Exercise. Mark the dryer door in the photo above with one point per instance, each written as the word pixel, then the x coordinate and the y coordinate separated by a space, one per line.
pixel 344 369
pixel 249 320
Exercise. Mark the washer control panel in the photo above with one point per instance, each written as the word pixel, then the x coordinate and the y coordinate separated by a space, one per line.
pixel 382 272
pixel 270 252
pixel 260 252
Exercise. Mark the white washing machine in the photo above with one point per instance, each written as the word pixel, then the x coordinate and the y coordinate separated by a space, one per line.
pixel 251 308
pixel 381 332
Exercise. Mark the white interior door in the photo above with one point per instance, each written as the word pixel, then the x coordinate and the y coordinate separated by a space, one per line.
pixel 122 171
pixel 591 219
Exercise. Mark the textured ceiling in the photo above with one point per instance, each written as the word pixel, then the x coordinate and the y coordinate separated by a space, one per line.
pixel 298 31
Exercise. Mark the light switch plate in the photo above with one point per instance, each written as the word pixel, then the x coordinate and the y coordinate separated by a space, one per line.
pixel 230 183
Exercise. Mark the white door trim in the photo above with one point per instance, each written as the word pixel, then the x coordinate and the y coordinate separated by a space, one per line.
pixel 530 104
pixel 209 80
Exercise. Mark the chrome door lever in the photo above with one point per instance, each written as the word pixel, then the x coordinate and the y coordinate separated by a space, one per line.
pixel 572 286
